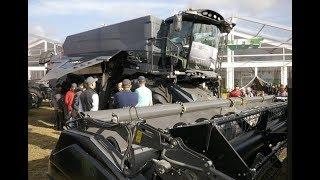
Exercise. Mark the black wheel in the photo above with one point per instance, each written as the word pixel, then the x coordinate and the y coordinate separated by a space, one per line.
pixel 159 99
pixel 161 95
pixel 36 97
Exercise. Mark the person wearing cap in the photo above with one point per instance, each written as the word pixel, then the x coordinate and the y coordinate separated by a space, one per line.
pixel 144 93
pixel 69 97
pixel 126 97
pixel 89 98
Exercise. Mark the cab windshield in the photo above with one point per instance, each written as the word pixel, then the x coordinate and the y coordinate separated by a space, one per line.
pixel 206 35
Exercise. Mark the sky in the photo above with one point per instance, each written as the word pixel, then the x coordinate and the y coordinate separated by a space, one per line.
pixel 56 19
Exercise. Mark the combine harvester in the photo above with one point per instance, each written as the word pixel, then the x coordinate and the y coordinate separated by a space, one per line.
pixel 178 56
pixel 190 134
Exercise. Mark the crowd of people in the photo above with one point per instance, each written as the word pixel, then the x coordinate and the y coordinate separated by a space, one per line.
pixel 280 91
pixel 83 97
pixel 68 104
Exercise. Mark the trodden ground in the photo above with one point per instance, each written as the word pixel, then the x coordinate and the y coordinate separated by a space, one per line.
pixel 41 140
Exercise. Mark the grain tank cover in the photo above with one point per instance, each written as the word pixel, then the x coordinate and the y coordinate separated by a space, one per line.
pixel 74 65
pixel 127 35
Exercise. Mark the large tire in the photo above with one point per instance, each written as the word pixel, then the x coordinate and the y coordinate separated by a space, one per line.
pixel 159 99
pixel 161 95
pixel 36 97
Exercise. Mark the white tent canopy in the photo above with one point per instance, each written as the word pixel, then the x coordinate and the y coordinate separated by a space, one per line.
pixel 255 80
pixel 276 34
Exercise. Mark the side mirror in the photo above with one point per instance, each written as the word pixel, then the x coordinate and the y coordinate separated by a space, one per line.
pixel 177 22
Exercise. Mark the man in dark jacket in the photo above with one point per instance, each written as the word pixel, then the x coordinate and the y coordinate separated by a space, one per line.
pixel 89 99
pixel 63 114
pixel 58 115
pixel 126 98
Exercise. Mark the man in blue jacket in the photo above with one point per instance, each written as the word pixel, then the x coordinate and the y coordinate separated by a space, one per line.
pixel 126 97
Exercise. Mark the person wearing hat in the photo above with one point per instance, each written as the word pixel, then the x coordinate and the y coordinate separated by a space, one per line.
pixel 89 98
pixel 69 97
pixel 144 93
pixel 126 97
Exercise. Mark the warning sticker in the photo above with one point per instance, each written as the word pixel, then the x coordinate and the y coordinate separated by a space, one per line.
pixel 138 137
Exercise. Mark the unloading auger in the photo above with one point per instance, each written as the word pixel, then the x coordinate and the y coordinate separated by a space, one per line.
pixel 240 138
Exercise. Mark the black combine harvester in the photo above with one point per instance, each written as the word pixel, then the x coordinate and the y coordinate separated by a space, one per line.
pixel 178 56
pixel 190 133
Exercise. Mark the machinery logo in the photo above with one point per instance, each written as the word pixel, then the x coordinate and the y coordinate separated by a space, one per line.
pixel 254 42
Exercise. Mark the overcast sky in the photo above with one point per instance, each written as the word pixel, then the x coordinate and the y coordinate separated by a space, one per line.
pixel 57 19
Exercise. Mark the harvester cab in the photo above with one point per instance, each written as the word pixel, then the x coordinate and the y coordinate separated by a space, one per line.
pixel 195 35
pixel 191 46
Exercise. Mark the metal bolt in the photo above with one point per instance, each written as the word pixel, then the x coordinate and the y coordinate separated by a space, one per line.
pixel 239 174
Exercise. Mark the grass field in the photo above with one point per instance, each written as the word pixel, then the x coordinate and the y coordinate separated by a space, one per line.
pixel 41 140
